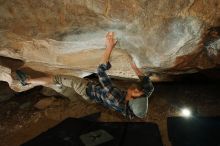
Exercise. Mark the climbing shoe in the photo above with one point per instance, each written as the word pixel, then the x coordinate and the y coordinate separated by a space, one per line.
pixel 22 77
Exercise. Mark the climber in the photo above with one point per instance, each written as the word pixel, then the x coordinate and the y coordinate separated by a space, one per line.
pixel 133 102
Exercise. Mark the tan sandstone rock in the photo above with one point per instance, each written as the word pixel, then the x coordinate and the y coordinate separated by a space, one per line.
pixel 67 36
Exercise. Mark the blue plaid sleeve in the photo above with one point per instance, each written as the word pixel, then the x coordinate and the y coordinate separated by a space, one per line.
pixel 103 77
pixel 147 86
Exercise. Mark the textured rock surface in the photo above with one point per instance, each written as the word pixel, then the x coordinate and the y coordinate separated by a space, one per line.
pixel 67 37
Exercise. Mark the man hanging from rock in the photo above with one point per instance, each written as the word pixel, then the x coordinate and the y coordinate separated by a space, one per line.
pixel 130 103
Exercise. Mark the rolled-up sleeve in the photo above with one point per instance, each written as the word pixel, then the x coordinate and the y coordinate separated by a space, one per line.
pixel 103 77
pixel 147 86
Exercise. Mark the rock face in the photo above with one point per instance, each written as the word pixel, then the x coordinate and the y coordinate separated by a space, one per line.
pixel 67 36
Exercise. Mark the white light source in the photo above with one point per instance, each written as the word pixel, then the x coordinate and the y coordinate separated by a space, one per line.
pixel 186 112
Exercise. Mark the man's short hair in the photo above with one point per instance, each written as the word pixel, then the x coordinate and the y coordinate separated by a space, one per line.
pixel 137 85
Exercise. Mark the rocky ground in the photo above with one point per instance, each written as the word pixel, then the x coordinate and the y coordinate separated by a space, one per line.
pixel 26 115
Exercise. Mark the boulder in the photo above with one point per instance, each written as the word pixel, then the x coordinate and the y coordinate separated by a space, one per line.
pixel 67 37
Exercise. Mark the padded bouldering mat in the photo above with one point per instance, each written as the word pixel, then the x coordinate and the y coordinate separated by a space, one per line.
pixel 83 132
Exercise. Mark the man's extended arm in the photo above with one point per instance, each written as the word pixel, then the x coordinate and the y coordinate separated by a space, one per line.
pixel 104 63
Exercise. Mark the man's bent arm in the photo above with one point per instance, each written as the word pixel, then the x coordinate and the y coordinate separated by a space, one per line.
pixel 138 72
pixel 146 82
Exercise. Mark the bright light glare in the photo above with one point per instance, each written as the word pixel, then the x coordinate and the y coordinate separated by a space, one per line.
pixel 186 112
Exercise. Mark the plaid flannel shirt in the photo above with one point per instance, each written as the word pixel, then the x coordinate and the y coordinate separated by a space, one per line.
pixel 111 96
pixel 107 94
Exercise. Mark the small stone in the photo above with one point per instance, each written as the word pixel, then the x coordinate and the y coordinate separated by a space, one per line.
pixel 44 103
pixel 25 105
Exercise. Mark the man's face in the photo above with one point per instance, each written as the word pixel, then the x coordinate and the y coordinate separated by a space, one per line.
pixel 136 93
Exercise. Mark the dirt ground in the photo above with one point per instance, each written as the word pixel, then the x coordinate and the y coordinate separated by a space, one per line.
pixel 21 121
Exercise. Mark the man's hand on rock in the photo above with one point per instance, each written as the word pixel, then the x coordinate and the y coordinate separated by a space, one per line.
pixel 110 41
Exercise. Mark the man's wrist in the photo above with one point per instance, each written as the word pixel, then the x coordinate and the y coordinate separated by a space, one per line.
pixel 109 48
